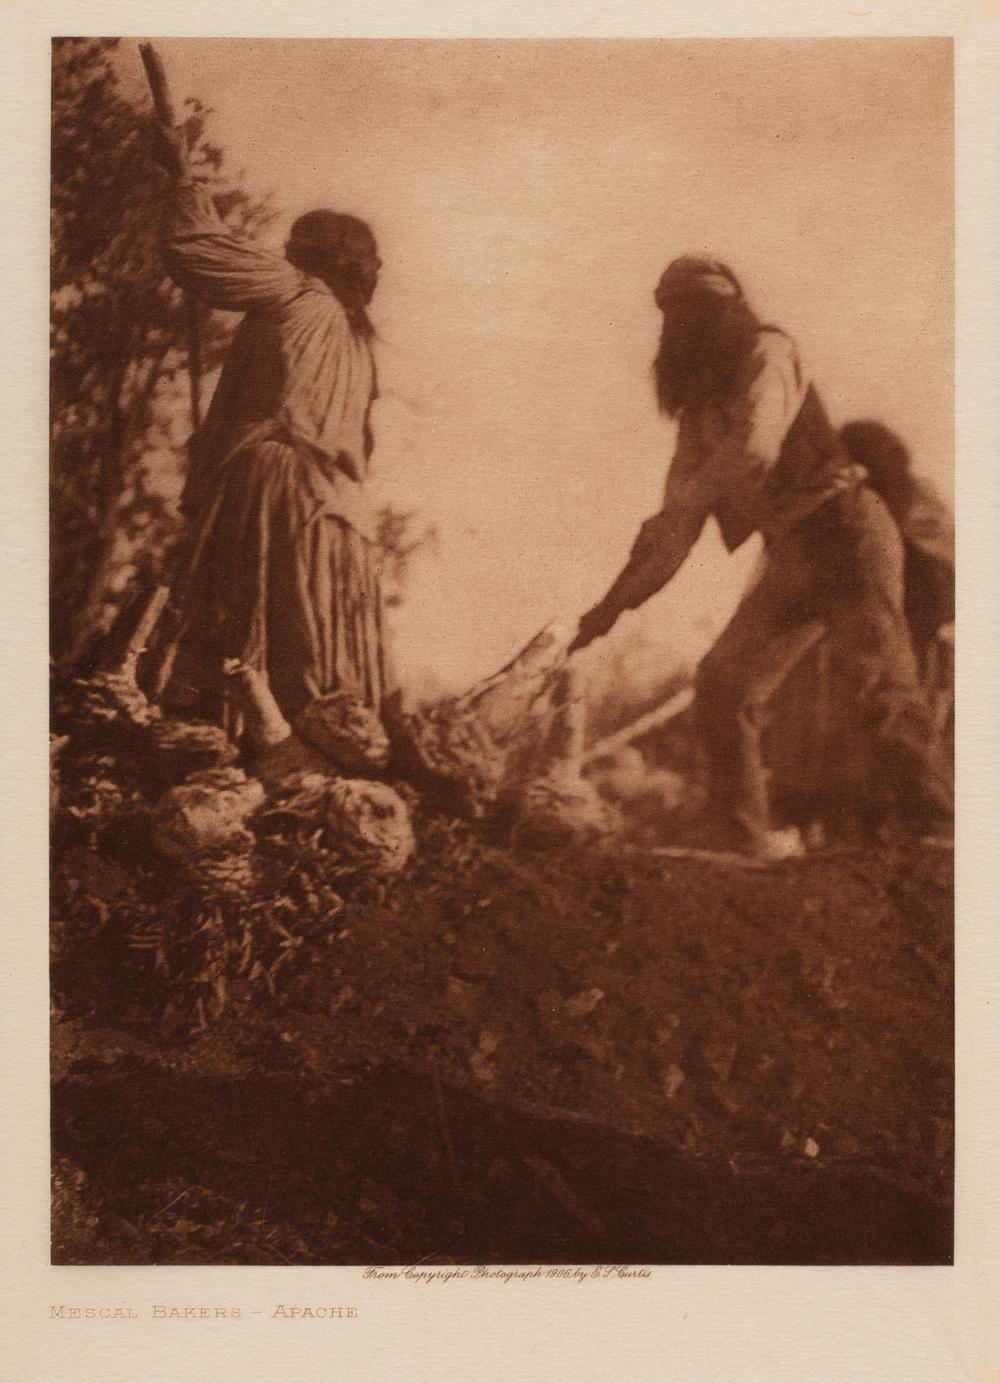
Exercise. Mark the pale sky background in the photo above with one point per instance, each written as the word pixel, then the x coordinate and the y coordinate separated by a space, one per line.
pixel 526 196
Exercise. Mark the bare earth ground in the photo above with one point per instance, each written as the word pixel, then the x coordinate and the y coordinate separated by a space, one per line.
pixel 502 1058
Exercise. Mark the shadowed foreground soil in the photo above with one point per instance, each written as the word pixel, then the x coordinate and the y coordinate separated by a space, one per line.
pixel 365 1176
pixel 504 1059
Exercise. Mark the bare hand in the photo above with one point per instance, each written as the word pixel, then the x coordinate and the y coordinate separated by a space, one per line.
pixel 594 623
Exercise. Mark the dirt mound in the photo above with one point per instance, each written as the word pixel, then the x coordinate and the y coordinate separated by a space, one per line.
pixel 777 1043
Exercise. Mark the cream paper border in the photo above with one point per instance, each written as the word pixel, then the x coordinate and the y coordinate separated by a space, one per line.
pixel 919 1325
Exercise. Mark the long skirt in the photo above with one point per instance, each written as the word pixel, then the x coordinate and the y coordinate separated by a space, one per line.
pixel 837 574
pixel 281 585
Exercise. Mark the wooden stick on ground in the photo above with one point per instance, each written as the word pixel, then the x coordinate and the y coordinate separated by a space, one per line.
pixel 143 631
pixel 652 720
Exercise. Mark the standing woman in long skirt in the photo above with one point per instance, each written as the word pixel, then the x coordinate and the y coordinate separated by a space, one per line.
pixel 281 574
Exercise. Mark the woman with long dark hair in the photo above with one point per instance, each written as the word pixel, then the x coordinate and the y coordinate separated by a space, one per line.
pixel 756 450
pixel 280 574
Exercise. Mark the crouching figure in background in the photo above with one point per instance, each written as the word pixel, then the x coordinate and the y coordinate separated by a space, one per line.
pixel 756 450
pixel 824 768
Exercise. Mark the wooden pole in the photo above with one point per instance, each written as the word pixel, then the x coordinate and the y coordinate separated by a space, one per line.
pixel 138 621
pixel 166 113
pixel 159 87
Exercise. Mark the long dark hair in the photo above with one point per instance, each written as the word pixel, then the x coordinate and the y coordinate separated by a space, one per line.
pixel 336 248
pixel 885 457
pixel 706 337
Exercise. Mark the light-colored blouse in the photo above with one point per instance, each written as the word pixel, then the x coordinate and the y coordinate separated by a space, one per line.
pixel 296 369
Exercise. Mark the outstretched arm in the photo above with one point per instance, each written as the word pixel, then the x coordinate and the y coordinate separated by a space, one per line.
pixel 663 543
pixel 202 254
pixel 728 481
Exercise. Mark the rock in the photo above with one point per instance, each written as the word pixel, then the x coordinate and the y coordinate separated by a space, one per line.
pixel 283 766
pixel 671 1081
pixel 186 747
pixel 481 1059
pixel 208 812
pixel 95 794
pixel 372 820
pixel 343 996
pixel 583 1003
pixel 225 875
pixel 348 732
pixel 718 1058
pixel 303 795
pixel 102 704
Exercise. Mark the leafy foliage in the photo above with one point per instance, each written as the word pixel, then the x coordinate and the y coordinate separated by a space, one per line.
pixel 398 540
pixel 118 337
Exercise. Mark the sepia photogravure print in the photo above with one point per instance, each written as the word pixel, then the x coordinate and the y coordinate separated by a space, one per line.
pixel 502 650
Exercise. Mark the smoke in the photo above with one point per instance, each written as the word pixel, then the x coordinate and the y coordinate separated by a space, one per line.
pixel 627 780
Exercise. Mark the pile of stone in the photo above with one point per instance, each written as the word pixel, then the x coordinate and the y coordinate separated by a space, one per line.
pixel 208 811
pixel 207 793
pixel 510 749
pixel 311 771
pixel 179 748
